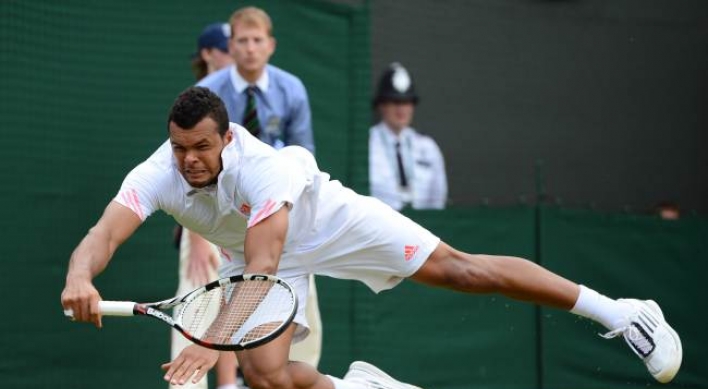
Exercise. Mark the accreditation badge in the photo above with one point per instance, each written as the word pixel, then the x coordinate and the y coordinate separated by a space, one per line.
pixel 272 127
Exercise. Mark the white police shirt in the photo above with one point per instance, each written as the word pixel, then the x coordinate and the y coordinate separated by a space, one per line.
pixel 256 181
pixel 423 164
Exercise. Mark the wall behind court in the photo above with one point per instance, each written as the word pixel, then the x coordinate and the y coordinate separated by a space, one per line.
pixel 611 96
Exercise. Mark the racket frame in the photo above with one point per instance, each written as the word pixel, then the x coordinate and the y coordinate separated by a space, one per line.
pixel 154 310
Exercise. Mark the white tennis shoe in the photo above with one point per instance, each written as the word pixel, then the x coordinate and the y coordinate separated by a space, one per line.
pixel 372 377
pixel 652 339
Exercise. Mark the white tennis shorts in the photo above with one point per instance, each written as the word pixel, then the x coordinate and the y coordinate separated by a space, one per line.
pixel 364 240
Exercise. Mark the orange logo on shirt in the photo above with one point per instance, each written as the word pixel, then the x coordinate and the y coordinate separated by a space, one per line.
pixel 409 252
pixel 245 209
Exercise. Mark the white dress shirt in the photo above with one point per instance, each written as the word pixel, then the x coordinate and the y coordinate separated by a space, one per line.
pixel 423 165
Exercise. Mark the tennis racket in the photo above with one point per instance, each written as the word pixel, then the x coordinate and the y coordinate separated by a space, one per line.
pixel 232 313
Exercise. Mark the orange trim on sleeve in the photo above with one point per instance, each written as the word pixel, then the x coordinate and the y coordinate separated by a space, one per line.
pixel 130 197
pixel 263 213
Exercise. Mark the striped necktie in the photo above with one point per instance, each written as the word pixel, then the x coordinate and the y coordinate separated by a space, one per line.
pixel 250 114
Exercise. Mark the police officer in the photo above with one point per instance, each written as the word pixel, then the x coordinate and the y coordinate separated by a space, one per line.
pixel 406 168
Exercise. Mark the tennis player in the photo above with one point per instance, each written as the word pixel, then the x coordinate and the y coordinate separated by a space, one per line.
pixel 274 212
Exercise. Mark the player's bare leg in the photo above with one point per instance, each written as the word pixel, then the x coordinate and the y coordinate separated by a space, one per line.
pixel 641 323
pixel 267 366
pixel 226 369
pixel 513 277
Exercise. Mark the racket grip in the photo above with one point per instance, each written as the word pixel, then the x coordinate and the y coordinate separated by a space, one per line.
pixel 110 308
pixel 116 308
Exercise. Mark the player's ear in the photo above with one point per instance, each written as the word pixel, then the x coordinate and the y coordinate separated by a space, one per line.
pixel 228 136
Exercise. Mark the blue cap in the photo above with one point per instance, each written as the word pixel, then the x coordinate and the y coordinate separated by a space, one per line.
pixel 215 35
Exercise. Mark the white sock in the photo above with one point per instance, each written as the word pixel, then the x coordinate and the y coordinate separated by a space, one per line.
pixel 341 384
pixel 604 310
pixel 227 386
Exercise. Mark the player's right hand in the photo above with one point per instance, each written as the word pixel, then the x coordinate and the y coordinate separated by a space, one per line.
pixel 82 298
pixel 193 362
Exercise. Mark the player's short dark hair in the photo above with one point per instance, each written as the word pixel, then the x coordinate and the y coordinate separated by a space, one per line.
pixel 195 104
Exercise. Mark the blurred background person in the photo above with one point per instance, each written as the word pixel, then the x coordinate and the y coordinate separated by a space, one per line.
pixel 406 168
pixel 268 101
pixel 668 210
pixel 212 50
pixel 274 106
pixel 199 259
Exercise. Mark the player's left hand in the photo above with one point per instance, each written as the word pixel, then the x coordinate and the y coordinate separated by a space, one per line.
pixel 194 361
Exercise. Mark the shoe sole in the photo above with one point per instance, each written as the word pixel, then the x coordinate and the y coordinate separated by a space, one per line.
pixel 373 370
pixel 670 372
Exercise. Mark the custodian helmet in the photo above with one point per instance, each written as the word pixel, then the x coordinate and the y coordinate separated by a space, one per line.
pixel 396 84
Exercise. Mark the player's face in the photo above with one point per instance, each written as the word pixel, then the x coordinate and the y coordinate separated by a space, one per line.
pixel 251 47
pixel 396 114
pixel 197 151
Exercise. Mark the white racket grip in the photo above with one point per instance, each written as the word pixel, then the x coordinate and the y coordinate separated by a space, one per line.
pixel 110 308
pixel 116 308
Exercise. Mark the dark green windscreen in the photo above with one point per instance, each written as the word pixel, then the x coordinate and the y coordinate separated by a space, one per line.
pixel 611 94
pixel 85 87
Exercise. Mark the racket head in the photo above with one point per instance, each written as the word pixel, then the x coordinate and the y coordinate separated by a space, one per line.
pixel 238 312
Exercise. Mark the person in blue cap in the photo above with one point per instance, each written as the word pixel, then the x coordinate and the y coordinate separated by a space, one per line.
pixel 212 50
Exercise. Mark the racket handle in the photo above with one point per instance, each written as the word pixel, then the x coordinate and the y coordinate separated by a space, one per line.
pixel 116 308
pixel 110 308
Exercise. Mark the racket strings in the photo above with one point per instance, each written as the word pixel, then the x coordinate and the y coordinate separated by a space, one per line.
pixel 239 313
pixel 196 315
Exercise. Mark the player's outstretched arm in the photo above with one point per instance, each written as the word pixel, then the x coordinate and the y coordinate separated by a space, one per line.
pixel 91 256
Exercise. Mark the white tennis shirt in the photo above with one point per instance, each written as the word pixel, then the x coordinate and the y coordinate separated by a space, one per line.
pixel 255 182
pixel 332 231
